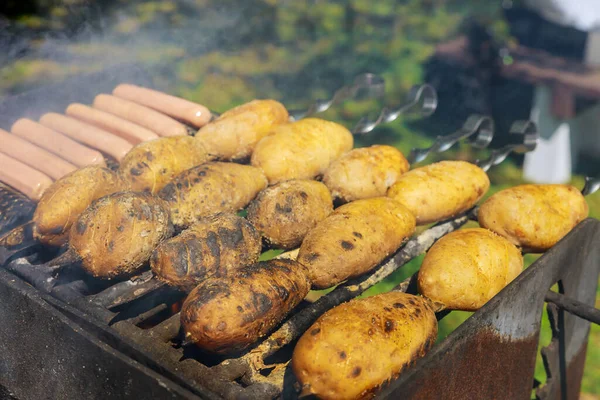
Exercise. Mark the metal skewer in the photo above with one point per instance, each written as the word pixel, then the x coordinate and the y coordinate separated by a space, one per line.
pixel 369 85
pixel 479 128
pixel 424 96
pixel 528 130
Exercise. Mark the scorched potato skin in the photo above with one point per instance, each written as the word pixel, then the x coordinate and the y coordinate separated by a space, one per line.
pixel 67 198
pixel 441 190
pixel 365 172
pixel 354 239
pixel 209 189
pixel 534 217
pixel 354 348
pixel 228 314
pixel 117 233
pixel 286 212
pixel 466 268
pixel 234 134
pixel 301 150
pixel 149 166
pixel 215 246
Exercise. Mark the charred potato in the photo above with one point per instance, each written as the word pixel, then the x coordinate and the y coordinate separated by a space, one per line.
pixel 441 190
pixel 65 200
pixel 234 134
pixel 228 314
pixel 364 173
pixel 285 212
pixel 534 217
pixel 466 268
pixel 210 189
pixel 213 247
pixel 149 166
pixel 354 239
pixel 117 233
pixel 354 348
pixel 301 150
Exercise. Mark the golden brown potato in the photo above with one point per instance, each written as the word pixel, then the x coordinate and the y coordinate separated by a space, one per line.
pixel 149 166
pixel 215 246
pixel 353 239
pixel 354 348
pixel 441 190
pixel 534 217
pixel 210 189
pixel 466 268
pixel 65 200
pixel 117 233
pixel 228 314
pixel 284 213
pixel 364 173
pixel 301 150
pixel 235 133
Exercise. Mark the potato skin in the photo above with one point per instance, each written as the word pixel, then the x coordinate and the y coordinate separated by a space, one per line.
pixel 466 268
pixel 117 233
pixel 301 150
pixel 364 173
pixel 210 189
pixel 352 349
pixel 65 200
pixel 534 217
pixel 441 190
pixel 228 314
pixel 213 247
pixel 354 239
pixel 149 166
pixel 234 134
pixel 285 212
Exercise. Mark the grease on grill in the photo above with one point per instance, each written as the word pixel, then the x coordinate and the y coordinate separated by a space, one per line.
pixel 15 208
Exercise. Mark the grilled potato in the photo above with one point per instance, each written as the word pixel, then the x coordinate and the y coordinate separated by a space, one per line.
pixel 364 173
pixel 234 134
pixel 441 190
pixel 353 239
pixel 354 348
pixel 210 189
pixel 466 268
pixel 213 247
pixel 117 233
pixel 67 198
pixel 284 213
pixel 301 150
pixel 228 314
pixel 534 217
pixel 149 166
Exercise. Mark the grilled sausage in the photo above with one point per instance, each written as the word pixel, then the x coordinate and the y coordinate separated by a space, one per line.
pixel 34 156
pixel 22 177
pixel 57 143
pixel 88 134
pixel 141 115
pixel 175 107
pixel 111 123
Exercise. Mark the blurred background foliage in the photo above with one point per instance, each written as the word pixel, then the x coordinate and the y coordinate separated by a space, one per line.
pixel 225 52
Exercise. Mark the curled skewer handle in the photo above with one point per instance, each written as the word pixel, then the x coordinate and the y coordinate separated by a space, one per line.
pixel 422 96
pixel 479 128
pixel 369 85
pixel 591 185
pixel 530 136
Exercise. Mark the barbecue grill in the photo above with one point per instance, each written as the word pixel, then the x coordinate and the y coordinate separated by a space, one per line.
pixel 66 334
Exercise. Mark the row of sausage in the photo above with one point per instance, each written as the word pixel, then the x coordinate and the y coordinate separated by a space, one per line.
pixel 34 154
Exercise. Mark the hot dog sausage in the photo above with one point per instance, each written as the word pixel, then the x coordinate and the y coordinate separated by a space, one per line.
pixel 88 134
pixel 111 123
pixel 141 115
pixel 23 178
pixel 57 143
pixel 34 156
pixel 176 107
